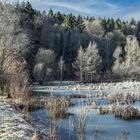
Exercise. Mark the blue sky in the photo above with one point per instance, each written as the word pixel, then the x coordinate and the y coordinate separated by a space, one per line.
pixel 124 9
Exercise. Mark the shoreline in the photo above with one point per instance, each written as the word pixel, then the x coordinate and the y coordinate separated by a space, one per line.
pixel 12 125
pixel 52 86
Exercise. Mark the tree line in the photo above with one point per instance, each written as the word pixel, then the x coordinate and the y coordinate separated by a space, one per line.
pixel 58 46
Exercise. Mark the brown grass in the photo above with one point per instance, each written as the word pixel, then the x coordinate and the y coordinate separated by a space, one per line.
pixel 57 107
pixel 35 137
pixel 127 112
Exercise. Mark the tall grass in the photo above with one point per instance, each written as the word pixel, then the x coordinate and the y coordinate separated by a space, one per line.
pixel 57 107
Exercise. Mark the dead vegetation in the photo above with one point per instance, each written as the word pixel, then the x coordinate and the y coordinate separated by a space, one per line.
pixel 126 112
pixel 57 107
pixel 124 98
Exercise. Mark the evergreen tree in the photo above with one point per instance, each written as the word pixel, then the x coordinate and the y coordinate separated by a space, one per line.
pixel 118 24
pixel 28 8
pixel 80 23
pixel 59 17
pixel 44 13
pixel 91 18
pixel 50 13
pixel 104 24
pixel 133 22
pixel 70 21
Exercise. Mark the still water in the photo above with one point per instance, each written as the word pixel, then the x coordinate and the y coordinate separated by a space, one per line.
pixel 97 127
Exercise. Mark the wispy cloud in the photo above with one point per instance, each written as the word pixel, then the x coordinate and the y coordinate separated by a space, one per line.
pixel 125 9
pixel 89 7
pixel 69 5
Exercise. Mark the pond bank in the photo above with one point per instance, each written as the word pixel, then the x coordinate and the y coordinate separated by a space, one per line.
pixel 65 85
pixel 12 126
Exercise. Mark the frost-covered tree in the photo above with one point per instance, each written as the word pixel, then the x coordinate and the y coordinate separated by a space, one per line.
pixel 88 61
pixel 93 59
pixel 94 27
pixel 45 62
pixel 110 43
pixel 61 65
pixel 132 59
pixel 130 66
pixel 11 34
pixel 117 67
pixel 80 63
pixel 13 41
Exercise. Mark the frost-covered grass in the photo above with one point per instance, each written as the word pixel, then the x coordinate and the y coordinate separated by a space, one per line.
pixel 57 107
pixel 126 112
pixel 12 126
pixel 75 86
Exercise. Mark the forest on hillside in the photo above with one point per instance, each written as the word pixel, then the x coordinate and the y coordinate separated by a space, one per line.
pixel 58 46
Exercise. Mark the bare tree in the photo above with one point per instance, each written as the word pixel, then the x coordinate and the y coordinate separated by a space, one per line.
pixel 117 67
pixel 39 72
pixel 93 60
pixel 80 63
pixel 17 75
pixel 129 66
pixel 88 61
pixel 45 62
pixel 61 64
pixel 94 28
pixel 12 39
pixel 132 59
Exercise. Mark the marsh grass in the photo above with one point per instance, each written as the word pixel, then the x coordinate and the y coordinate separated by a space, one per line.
pixel 127 112
pixel 53 130
pixel 123 135
pixel 103 110
pixel 124 98
pixel 57 107
pixel 79 124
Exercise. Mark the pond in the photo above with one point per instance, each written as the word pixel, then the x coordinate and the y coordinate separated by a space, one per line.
pixel 95 126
